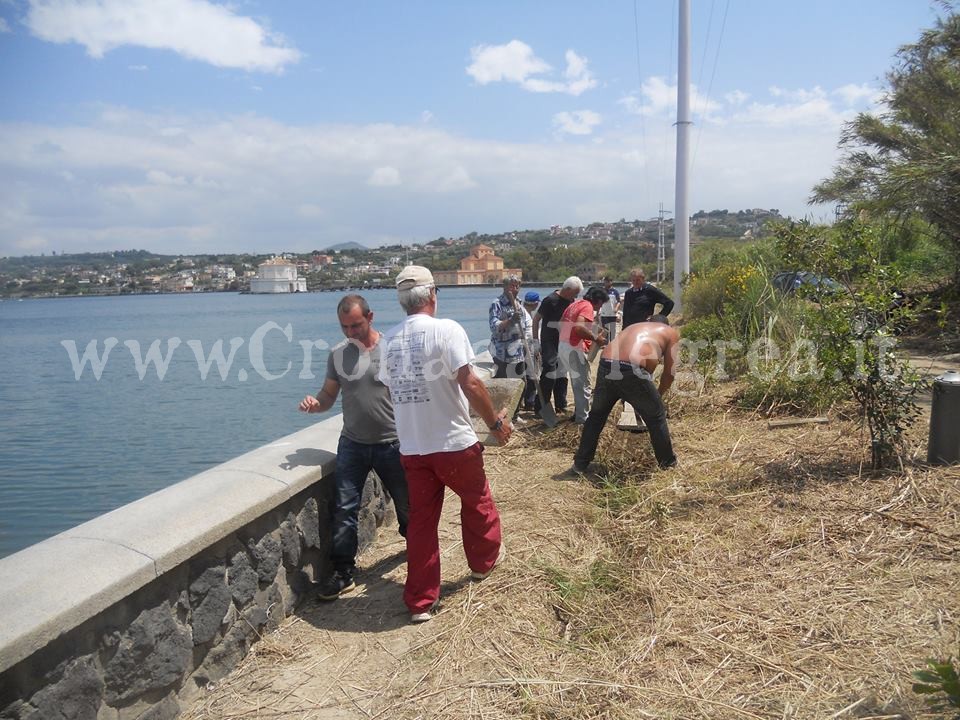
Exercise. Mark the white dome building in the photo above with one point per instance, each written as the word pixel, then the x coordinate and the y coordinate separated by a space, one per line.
pixel 277 275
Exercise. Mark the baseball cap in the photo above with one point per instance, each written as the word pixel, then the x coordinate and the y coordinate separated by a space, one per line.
pixel 414 276
pixel 532 297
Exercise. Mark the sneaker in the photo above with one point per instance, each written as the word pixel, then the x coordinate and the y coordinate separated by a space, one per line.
pixel 478 576
pixel 422 617
pixel 573 473
pixel 338 584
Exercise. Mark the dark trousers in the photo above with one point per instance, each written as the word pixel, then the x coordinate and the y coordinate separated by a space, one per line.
pixel 617 382
pixel 354 462
pixel 553 381
pixel 610 325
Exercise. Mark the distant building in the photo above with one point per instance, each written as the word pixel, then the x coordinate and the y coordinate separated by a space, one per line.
pixel 277 275
pixel 480 267
pixel 593 272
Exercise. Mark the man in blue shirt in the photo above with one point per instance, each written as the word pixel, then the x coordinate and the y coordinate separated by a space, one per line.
pixel 508 325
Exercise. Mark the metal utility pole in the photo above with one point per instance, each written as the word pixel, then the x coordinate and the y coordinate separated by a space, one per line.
pixel 681 224
pixel 661 245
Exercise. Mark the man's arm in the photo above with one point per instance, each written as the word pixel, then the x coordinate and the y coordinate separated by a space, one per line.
pixel 669 358
pixel 666 302
pixel 536 325
pixel 494 316
pixel 324 399
pixel 479 399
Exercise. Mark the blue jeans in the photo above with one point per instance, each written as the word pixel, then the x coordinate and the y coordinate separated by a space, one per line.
pixel 354 462
pixel 634 386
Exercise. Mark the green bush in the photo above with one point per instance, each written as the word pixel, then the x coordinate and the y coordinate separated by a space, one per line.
pixel 940 683
pixel 854 331
pixel 785 393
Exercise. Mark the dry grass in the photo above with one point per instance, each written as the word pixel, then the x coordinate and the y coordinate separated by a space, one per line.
pixel 768 577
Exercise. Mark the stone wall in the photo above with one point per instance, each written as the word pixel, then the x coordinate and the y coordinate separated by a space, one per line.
pixel 141 646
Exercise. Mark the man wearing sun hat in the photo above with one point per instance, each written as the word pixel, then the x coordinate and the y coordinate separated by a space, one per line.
pixel 426 366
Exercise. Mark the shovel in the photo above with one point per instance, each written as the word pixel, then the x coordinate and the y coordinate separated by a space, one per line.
pixel 547 413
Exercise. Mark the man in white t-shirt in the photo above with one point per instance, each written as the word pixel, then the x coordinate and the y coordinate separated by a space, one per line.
pixel 610 309
pixel 426 365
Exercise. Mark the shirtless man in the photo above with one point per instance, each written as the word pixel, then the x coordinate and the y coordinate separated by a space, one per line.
pixel 625 372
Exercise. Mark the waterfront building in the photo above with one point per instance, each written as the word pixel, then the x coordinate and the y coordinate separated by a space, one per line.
pixel 277 275
pixel 480 267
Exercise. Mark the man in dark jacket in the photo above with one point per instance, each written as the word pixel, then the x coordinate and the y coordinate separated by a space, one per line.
pixel 641 300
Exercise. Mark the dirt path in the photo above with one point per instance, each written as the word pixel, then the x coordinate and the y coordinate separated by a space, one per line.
pixel 359 657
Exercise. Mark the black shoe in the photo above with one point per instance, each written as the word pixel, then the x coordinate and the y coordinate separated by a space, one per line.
pixel 340 582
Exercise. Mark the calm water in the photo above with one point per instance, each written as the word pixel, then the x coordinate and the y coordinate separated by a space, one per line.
pixel 72 449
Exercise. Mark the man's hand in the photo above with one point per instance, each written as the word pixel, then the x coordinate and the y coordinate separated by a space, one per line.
pixel 504 431
pixel 310 404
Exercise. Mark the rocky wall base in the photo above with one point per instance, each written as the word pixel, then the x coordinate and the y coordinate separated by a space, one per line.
pixel 148 655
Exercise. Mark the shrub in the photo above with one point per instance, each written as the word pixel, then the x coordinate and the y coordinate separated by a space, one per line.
pixel 854 331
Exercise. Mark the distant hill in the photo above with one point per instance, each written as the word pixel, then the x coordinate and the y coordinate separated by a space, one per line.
pixel 347 246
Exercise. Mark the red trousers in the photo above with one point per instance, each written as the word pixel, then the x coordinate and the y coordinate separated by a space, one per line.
pixel 427 478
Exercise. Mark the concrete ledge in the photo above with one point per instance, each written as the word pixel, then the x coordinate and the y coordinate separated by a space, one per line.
pixel 54 586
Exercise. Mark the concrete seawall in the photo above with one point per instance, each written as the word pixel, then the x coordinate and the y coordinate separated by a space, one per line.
pixel 127 615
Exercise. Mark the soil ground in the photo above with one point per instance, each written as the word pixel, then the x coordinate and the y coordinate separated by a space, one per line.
pixel 769 576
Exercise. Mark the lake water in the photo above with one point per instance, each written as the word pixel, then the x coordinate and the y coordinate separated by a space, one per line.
pixel 73 448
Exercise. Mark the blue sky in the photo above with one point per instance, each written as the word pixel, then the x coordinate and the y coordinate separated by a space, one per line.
pixel 189 126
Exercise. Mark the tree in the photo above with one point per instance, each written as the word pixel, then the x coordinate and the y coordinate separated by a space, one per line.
pixel 905 161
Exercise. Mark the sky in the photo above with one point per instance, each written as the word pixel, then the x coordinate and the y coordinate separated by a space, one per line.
pixel 268 126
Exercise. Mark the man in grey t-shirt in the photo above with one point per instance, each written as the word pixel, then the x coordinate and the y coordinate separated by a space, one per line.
pixel 368 440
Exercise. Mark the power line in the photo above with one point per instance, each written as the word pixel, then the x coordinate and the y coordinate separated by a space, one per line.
pixel 713 74
pixel 643 129
pixel 670 73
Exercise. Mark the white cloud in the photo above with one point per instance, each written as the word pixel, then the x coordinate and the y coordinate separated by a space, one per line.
pixel 455 180
pixel 516 63
pixel 661 100
pixel 854 94
pixel 737 97
pixel 4 26
pixel 817 111
pixel 159 177
pixel 175 183
pixel 137 68
pixel 196 29
pixel 579 122
pixel 426 116
pixel 310 211
pixel 800 96
pixel 31 244
pixel 384 177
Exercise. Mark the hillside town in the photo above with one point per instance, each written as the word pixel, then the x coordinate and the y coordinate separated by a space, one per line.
pixel 543 255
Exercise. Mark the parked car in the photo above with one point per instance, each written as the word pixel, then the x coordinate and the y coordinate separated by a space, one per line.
pixel 814 285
